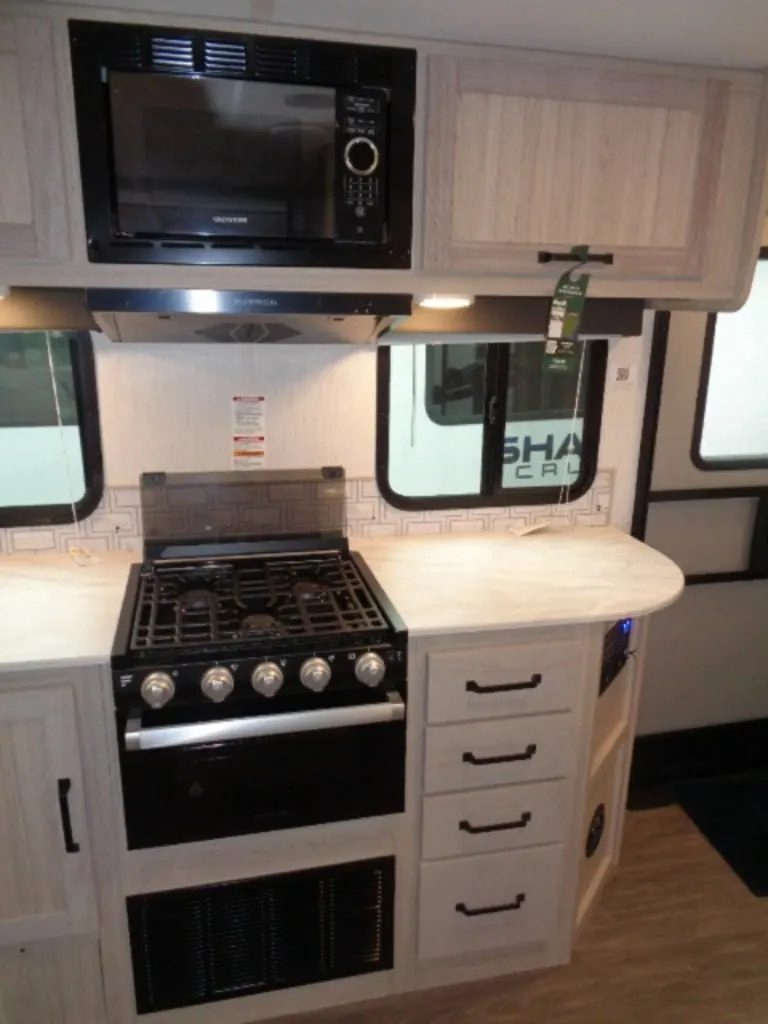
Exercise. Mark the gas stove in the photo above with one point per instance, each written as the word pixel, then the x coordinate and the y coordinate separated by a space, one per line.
pixel 231 604
pixel 288 623
pixel 259 672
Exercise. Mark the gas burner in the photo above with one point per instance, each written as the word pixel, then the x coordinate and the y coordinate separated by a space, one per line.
pixel 193 601
pixel 260 626
pixel 306 590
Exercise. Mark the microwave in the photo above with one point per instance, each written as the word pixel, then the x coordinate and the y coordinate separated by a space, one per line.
pixel 201 147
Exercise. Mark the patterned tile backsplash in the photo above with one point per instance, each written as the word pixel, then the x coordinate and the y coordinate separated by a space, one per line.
pixel 116 523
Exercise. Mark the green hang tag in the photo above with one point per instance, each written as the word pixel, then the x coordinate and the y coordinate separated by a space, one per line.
pixel 561 348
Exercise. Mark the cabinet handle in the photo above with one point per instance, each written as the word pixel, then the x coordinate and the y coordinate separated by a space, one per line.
pixel 70 845
pixel 545 256
pixel 530 684
pixel 527 754
pixel 462 908
pixel 504 826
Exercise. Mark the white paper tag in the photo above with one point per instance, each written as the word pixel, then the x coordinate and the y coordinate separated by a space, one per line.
pixel 249 431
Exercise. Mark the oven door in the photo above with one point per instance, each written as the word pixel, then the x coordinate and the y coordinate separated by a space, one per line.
pixel 236 773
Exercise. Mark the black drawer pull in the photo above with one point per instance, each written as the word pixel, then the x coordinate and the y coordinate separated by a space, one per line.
pixel 462 908
pixel 527 754
pixel 64 786
pixel 504 826
pixel 529 684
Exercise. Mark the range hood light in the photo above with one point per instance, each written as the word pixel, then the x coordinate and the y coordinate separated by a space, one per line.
pixel 445 301
pixel 5 291
pixel 203 300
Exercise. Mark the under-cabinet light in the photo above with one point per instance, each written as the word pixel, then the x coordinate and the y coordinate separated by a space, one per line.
pixel 5 291
pixel 444 301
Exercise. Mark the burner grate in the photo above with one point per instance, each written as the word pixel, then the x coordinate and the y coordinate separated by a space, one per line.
pixel 228 602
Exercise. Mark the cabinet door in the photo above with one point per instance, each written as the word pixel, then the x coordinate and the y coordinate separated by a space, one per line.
pixel 52 983
pixel 45 878
pixel 33 215
pixel 540 152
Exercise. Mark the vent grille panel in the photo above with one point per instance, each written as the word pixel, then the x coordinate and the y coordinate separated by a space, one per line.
pixel 192 946
pixel 172 54
pixel 220 56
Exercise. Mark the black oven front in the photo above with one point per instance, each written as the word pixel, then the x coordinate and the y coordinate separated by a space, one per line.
pixel 213 148
pixel 298 762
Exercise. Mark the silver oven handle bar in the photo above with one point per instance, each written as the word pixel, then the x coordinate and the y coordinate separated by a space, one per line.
pixel 158 737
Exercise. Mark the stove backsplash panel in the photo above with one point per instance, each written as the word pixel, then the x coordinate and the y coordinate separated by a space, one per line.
pixel 116 523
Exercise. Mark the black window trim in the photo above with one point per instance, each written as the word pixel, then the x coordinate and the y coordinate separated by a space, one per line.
pixel 715 465
pixel 86 401
pixel 492 494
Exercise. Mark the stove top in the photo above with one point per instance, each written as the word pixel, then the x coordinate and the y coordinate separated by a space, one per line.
pixel 223 602
pixel 248 593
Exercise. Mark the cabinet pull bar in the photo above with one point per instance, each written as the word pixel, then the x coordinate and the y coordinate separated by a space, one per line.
pixel 64 786
pixel 545 256
pixel 527 754
pixel 472 686
pixel 462 908
pixel 504 826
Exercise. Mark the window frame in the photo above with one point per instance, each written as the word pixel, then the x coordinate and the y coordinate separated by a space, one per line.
pixel 491 493
pixel 715 465
pixel 87 404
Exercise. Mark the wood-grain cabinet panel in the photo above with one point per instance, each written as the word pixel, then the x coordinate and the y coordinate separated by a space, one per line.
pixel 532 154
pixel 45 881
pixel 33 197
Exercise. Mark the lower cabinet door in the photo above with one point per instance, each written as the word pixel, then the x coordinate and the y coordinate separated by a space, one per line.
pixel 601 831
pixel 491 901
pixel 54 982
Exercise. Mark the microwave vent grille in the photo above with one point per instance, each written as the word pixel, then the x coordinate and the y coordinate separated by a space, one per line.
pixel 121 51
pixel 175 54
pixel 221 56
pixel 276 58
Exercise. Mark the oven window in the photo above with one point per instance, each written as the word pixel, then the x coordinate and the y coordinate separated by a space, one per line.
pixel 222 157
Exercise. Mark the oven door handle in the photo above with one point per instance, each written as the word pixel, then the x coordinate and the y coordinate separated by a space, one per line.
pixel 163 736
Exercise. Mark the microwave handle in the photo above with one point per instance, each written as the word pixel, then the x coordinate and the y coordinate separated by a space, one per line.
pixel 164 736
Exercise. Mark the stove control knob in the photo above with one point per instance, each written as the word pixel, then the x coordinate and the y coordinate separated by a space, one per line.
pixel 157 689
pixel 370 669
pixel 315 674
pixel 217 683
pixel 267 678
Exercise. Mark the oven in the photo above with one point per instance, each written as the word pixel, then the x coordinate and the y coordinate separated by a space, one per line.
pixel 245 770
pixel 202 147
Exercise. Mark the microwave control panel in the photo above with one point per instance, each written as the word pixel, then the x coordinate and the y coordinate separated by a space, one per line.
pixel 361 162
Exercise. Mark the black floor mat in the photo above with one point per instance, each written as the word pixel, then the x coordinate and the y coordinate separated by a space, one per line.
pixel 732 814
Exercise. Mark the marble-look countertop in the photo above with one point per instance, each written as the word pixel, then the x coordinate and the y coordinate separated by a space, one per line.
pixel 54 612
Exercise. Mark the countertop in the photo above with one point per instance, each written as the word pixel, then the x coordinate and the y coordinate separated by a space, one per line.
pixel 54 612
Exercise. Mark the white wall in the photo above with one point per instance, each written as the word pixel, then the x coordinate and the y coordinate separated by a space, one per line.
pixel 166 407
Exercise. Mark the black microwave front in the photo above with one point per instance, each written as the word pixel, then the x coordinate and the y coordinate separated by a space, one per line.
pixel 204 147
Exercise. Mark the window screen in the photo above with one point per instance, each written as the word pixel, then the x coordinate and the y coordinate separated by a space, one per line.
pixel 466 425
pixel 50 453
pixel 731 430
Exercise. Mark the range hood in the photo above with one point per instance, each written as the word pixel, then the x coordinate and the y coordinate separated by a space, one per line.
pixel 243 317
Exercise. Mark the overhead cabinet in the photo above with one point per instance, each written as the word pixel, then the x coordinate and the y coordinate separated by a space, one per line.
pixel 33 199
pixel 660 169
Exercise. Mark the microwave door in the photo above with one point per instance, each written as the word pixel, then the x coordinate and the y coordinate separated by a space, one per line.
pixel 219 157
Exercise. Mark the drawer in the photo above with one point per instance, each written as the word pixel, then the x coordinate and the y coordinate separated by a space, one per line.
pixel 494 753
pixel 493 682
pixel 491 901
pixel 503 818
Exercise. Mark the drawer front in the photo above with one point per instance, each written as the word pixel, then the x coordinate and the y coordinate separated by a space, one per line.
pixel 492 682
pixel 503 818
pixel 491 901
pixel 494 753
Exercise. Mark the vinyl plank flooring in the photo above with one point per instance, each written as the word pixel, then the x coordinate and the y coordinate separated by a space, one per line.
pixel 676 939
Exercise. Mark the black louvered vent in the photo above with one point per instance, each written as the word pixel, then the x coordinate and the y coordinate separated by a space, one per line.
pixel 199 945
pixel 276 58
pixel 121 51
pixel 172 53
pixel 220 56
